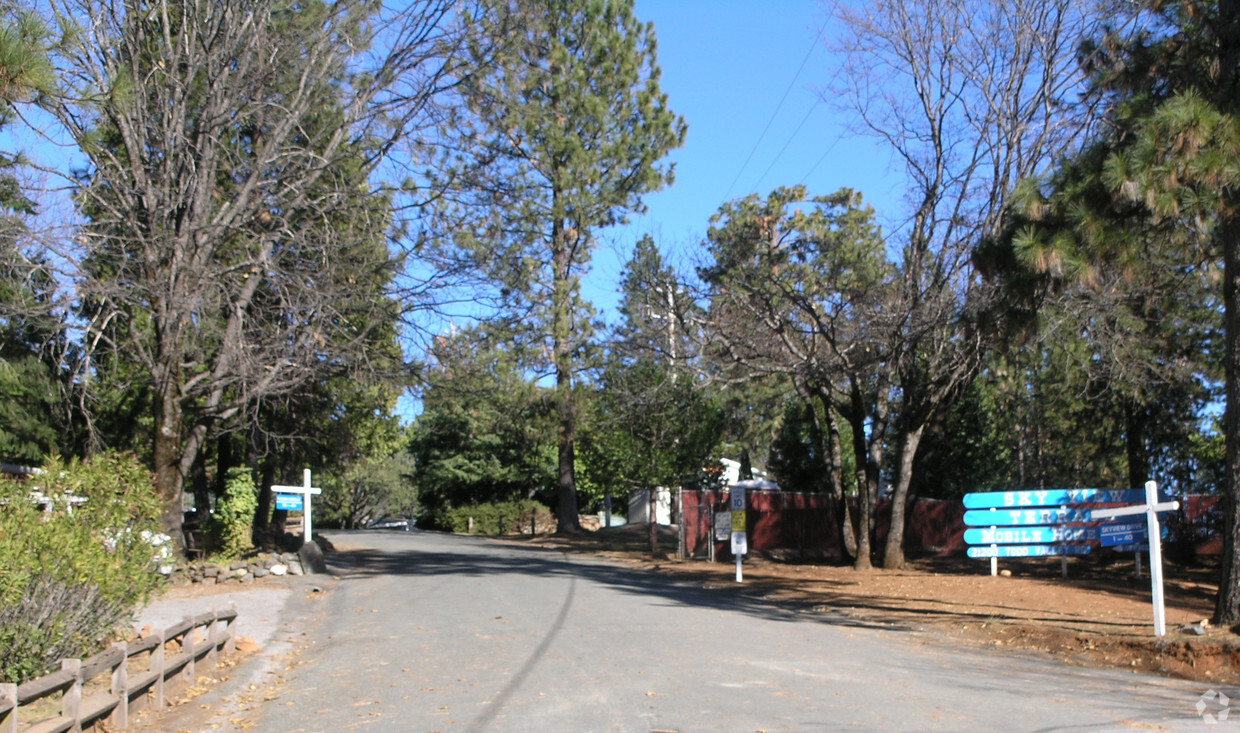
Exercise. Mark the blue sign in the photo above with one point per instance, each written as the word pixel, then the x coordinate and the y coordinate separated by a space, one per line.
pixel 1123 533
pixel 1131 548
pixel 1007 517
pixel 1029 535
pixel 1029 550
pixel 289 502
pixel 1052 497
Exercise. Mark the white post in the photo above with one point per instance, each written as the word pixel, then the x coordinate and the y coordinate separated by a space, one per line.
pixel 309 524
pixel 994 559
pixel 1156 579
pixel 306 491
pixel 1151 509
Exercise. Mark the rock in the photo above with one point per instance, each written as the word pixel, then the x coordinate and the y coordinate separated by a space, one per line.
pixel 279 569
pixel 1005 573
pixel 294 568
pixel 211 571
pixel 312 561
pixel 246 578
pixel 240 572
pixel 261 572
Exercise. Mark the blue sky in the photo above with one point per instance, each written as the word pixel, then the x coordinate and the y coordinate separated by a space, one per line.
pixel 726 66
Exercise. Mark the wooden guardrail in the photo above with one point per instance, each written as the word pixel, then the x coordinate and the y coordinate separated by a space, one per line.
pixel 161 660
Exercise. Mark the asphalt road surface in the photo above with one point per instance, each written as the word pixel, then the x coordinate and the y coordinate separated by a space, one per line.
pixel 428 632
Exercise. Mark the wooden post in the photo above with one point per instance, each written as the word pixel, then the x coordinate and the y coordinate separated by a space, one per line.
pixel 120 688
pixel 157 666
pixel 230 645
pixel 187 647
pixel 71 701
pixel 213 633
pixel 8 696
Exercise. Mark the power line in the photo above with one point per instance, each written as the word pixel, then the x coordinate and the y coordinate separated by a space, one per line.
pixel 786 144
pixel 818 162
pixel 774 114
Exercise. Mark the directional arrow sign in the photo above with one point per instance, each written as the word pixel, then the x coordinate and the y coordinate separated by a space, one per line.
pixel 1007 517
pixel 1029 535
pixel 1029 550
pixel 1051 497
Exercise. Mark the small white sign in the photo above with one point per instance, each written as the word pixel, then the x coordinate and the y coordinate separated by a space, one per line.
pixel 738 499
pixel 723 526
pixel 739 545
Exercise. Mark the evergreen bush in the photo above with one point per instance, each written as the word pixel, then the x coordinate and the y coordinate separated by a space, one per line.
pixel 494 518
pixel 234 514
pixel 72 572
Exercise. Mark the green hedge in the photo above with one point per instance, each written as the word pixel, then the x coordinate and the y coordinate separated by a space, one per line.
pixel 515 515
pixel 73 575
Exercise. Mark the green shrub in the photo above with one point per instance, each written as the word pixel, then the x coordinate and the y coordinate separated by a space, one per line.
pixel 514 515
pixel 234 514
pixel 72 575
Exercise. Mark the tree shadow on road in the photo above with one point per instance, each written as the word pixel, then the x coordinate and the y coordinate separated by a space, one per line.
pixel 482 558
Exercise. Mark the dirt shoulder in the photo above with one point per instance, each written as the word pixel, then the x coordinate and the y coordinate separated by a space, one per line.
pixel 1101 615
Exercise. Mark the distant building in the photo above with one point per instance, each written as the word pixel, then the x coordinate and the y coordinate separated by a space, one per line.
pixel 732 473
pixel 639 507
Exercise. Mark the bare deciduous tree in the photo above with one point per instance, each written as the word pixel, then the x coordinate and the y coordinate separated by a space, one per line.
pixel 234 245
pixel 969 97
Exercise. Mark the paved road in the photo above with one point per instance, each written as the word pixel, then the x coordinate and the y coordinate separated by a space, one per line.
pixel 426 632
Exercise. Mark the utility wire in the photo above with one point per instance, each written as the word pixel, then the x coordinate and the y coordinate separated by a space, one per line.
pixel 771 121
pixel 817 163
pixel 786 144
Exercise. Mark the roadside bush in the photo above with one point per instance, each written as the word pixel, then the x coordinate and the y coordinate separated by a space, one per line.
pixel 72 573
pixel 513 516
pixel 234 514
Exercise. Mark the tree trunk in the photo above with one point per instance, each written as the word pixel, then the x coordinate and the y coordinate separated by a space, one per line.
pixel 865 504
pixel 1134 440
pixel 1227 609
pixel 865 497
pixel 835 476
pixel 562 354
pixel 169 481
pixel 893 553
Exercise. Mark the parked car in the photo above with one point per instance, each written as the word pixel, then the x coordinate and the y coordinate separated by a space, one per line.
pixel 392 523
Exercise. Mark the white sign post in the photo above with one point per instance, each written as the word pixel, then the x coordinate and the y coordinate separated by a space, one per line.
pixel 1150 509
pixel 739 544
pixel 306 490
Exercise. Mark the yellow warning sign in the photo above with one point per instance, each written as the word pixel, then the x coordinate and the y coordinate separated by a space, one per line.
pixel 738 521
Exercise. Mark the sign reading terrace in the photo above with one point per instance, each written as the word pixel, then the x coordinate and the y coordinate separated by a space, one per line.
pixel 1004 517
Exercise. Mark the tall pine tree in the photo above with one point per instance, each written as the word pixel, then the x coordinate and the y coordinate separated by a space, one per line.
pixel 566 125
